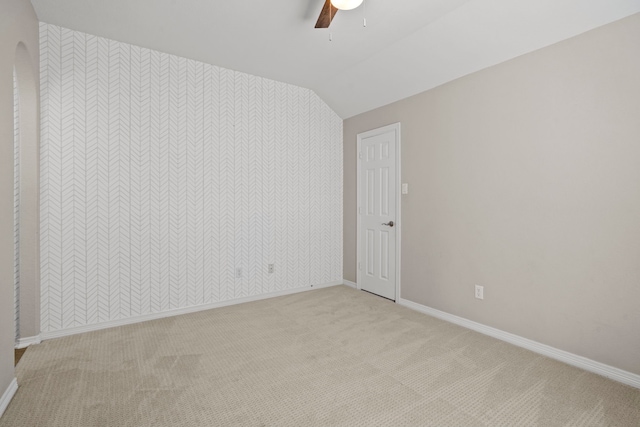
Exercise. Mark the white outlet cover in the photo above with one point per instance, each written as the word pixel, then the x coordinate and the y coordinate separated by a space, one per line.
pixel 405 188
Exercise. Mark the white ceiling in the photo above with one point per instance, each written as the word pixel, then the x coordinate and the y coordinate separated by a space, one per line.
pixel 407 47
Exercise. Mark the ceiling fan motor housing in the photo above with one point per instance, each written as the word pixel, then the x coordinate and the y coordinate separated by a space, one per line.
pixel 346 4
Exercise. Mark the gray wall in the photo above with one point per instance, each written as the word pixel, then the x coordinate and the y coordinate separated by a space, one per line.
pixel 525 178
pixel 18 24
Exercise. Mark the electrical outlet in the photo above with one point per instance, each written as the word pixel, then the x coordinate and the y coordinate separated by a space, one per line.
pixel 239 272
pixel 270 268
pixel 479 292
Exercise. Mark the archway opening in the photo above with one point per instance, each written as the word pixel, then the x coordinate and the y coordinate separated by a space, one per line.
pixel 26 200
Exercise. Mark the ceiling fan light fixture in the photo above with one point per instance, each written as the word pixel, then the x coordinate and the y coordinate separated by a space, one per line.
pixel 346 4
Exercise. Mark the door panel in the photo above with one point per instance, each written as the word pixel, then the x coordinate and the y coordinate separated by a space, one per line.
pixel 377 210
pixel 384 255
pixel 370 253
pixel 384 191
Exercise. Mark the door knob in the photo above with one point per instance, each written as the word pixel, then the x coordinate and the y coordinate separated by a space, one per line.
pixel 388 224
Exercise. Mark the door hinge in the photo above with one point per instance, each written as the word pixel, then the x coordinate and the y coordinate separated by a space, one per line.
pixel 359 266
pixel 360 210
pixel 360 155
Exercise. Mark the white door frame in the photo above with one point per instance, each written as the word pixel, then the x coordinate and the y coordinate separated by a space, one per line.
pixel 398 221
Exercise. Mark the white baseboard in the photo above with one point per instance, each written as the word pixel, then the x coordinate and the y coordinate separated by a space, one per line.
pixel 178 311
pixel 8 395
pixel 26 342
pixel 616 374
pixel 350 283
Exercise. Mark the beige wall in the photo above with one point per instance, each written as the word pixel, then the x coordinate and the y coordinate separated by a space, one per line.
pixel 525 178
pixel 18 23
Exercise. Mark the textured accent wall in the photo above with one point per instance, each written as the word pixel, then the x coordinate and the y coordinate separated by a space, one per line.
pixel 16 204
pixel 162 177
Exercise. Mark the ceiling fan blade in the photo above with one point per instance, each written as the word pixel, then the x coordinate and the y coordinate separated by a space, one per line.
pixel 327 15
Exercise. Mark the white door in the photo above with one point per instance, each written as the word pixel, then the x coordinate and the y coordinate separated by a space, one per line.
pixel 378 210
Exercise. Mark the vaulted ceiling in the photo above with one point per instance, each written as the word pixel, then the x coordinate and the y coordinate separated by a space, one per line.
pixel 407 47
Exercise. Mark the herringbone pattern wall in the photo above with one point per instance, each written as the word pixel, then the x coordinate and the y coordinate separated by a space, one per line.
pixel 169 183
pixel 16 205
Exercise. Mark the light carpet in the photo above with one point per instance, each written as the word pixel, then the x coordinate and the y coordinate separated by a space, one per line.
pixel 329 357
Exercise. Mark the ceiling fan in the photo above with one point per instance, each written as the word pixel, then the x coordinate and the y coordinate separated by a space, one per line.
pixel 330 9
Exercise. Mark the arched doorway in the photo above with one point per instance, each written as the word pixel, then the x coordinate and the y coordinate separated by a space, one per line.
pixel 26 200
